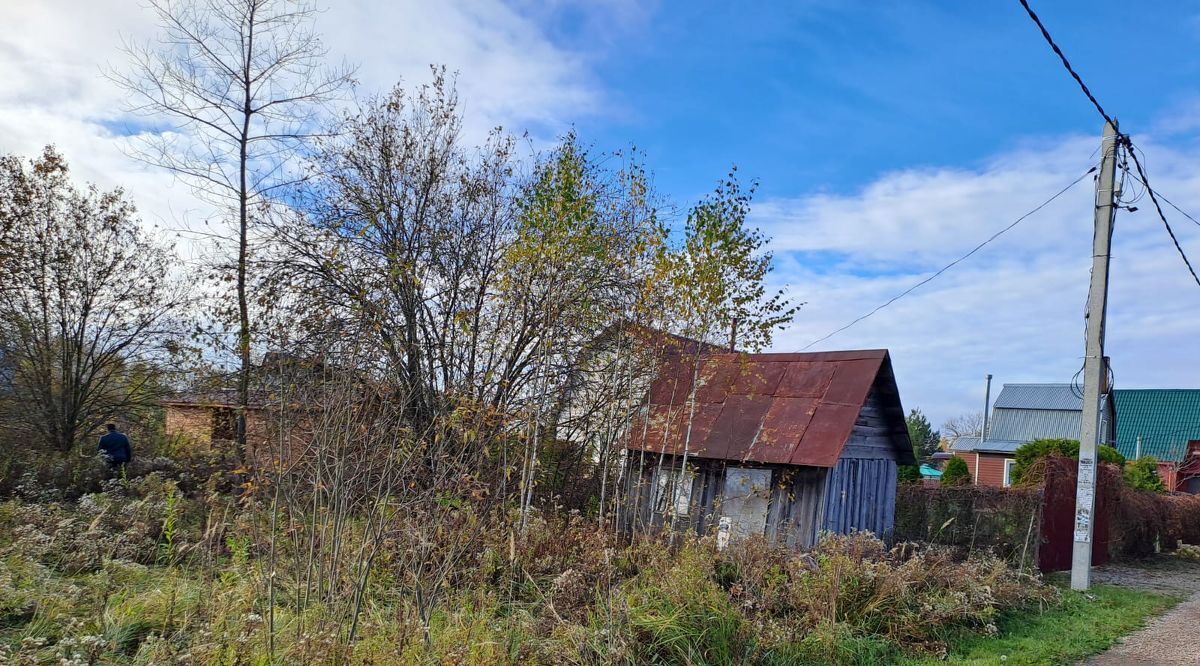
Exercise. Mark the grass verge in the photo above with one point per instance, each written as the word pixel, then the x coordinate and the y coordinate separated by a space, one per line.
pixel 1080 626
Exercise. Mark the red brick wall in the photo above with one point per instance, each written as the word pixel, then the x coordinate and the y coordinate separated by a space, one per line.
pixel 192 425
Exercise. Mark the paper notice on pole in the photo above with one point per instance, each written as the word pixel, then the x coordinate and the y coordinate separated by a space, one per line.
pixel 1087 471
pixel 1083 514
pixel 1085 496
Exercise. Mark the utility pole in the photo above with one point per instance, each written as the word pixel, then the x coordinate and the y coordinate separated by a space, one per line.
pixel 1093 363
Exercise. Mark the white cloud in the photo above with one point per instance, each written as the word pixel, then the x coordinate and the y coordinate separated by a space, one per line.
pixel 53 53
pixel 1015 309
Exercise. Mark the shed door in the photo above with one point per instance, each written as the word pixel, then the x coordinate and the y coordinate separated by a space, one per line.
pixel 747 497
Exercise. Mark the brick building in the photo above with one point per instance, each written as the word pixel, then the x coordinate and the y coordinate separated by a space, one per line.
pixel 1023 413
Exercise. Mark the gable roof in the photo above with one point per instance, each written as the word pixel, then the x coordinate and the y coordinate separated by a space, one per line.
pixel 1166 419
pixel 1039 396
pixel 791 409
pixel 1025 412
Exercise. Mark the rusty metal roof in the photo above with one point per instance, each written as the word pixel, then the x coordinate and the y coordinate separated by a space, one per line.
pixel 792 409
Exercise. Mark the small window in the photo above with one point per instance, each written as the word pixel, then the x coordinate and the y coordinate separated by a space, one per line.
pixel 224 424
pixel 1009 464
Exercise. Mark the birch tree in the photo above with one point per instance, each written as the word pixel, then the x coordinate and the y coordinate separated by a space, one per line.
pixel 717 278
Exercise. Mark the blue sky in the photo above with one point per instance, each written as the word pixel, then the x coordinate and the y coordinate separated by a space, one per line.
pixel 829 95
pixel 887 138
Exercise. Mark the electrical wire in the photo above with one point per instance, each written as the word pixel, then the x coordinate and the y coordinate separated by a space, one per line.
pixel 1067 63
pixel 1121 138
pixel 952 264
pixel 1158 207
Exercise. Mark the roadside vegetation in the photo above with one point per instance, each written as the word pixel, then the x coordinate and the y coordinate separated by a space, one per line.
pixel 1078 626
pixel 433 349
pixel 143 572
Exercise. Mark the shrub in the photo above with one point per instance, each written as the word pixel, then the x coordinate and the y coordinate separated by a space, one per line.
pixel 908 474
pixel 1142 474
pixel 681 616
pixel 1030 452
pixel 956 473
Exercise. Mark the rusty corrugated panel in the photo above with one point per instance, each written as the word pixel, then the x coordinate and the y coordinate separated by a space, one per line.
pixel 826 435
pixel 737 427
pixel 851 382
pixel 783 427
pixel 758 378
pixel 700 440
pixel 717 374
pixel 805 379
pixel 673 383
pixel 795 409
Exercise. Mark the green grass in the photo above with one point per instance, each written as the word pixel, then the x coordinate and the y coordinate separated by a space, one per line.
pixel 1082 625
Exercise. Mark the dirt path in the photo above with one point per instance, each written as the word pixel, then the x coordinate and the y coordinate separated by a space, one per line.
pixel 1171 639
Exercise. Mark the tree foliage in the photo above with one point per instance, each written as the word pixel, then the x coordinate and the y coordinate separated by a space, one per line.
pixel 1030 452
pixel 956 473
pixel 717 276
pixel 969 424
pixel 924 438
pixel 86 301
pixel 1142 474
pixel 908 473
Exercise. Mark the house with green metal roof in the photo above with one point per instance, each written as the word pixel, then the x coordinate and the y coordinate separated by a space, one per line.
pixel 1165 424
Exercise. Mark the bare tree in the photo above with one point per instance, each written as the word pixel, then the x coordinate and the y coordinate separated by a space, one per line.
pixel 965 425
pixel 85 299
pixel 241 84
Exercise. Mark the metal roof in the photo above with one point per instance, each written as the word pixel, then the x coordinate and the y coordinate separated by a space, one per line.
pixel 793 409
pixel 1166 419
pixel 1028 424
pixel 970 444
pixel 1039 396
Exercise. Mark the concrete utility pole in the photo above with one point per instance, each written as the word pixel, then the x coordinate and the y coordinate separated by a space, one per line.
pixel 1093 364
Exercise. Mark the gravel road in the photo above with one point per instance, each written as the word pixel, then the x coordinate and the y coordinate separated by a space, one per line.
pixel 1169 640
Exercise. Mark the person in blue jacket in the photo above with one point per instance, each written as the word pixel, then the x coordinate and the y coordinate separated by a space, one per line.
pixel 114 446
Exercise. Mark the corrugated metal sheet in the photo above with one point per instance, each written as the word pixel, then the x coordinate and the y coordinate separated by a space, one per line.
pixel 791 409
pixel 1027 424
pixel 1166 419
pixel 860 495
pixel 1024 412
pixel 969 444
pixel 1038 396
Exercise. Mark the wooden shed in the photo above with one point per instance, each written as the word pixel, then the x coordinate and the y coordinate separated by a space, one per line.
pixel 782 445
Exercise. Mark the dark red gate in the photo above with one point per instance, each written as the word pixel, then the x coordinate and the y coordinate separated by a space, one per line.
pixel 1058 517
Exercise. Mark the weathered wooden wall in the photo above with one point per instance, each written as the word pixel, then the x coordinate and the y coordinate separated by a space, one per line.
pixel 861 492
pixel 793 499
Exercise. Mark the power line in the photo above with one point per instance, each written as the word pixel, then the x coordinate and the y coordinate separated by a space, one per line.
pixel 1067 63
pixel 1158 207
pixel 1121 137
pixel 956 261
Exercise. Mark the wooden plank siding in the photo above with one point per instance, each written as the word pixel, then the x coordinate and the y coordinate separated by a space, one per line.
pixel 861 493
pixel 793 515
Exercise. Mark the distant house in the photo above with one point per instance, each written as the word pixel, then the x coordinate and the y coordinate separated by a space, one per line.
pixel 780 445
pixel 1167 421
pixel 207 420
pixel 1022 413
